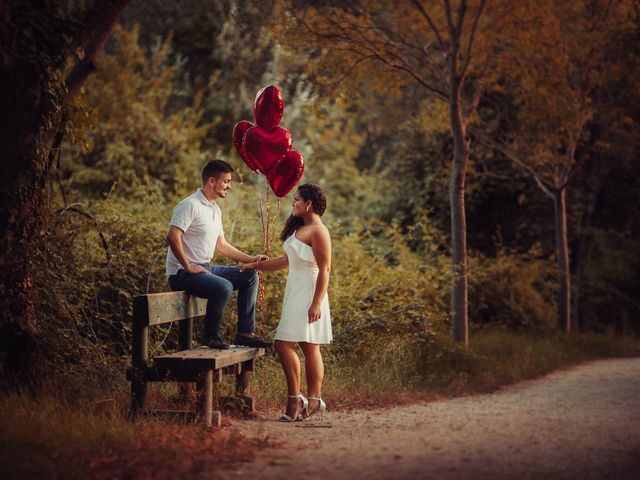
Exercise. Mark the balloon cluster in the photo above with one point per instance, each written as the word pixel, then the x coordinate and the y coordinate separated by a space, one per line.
pixel 266 146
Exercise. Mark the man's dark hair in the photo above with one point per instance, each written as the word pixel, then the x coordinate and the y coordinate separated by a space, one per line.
pixel 213 168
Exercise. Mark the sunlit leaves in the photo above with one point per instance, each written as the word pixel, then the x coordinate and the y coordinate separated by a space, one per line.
pixel 134 136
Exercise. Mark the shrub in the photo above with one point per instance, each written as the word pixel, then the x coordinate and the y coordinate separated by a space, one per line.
pixel 512 290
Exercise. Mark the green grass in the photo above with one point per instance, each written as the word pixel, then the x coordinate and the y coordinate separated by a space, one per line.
pixel 499 358
pixel 85 435
pixel 399 369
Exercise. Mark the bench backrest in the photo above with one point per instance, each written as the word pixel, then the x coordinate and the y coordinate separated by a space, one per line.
pixel 159 308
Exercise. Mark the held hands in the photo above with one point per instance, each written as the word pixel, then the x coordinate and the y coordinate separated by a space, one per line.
pixel 254 264
pixel 314 312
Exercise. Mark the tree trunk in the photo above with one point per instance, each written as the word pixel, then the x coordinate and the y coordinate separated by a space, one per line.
pixel 31 105
pixel 22 184
pixel 459 306
pixel 583 254
pixel 562 256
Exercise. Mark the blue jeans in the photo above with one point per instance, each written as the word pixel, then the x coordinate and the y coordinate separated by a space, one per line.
pixel 217 287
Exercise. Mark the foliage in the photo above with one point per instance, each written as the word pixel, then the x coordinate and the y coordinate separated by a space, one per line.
pixel 106 250
pixel 158 104
pixel 136 142
pixel 610 300
pixel 127 159
pixel 557 88
pixel 513 290
pixel 133 141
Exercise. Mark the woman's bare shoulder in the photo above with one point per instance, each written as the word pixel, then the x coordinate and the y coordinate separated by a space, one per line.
pixel 320 232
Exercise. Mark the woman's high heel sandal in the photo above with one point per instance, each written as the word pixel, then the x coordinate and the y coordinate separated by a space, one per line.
pixel 298 415
pixel 321 408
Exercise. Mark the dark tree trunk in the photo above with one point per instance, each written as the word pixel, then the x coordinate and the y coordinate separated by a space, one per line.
pixel 459 304
pixel 22 118
pixel 34 43
pixel 562 257
pixel 582 256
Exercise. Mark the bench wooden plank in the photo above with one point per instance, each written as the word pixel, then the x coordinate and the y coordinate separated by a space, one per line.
pixel 204 358
pixel 159 308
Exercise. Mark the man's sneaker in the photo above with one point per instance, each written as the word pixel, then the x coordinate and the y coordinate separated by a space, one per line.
pixel 216 342
pixel 255 342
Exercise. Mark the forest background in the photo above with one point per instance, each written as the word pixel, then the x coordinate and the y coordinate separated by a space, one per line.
pixel 175 77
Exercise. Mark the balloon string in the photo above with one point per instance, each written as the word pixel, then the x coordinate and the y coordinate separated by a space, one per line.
pixel 265 240
pixel 267 220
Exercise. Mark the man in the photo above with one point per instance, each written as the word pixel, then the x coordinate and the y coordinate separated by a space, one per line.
pixel 195 233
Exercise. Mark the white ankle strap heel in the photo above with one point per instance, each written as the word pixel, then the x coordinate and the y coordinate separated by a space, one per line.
pixel 321 408
pixel 299 413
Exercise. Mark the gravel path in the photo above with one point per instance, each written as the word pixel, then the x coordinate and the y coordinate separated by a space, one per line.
pixel 580 423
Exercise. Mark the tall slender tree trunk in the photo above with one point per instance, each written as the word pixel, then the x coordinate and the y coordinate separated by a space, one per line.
pixel 562 256
pixel 583 253
pixel 457 179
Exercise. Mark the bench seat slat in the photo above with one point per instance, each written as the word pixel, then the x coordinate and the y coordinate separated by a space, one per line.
pixel 207 357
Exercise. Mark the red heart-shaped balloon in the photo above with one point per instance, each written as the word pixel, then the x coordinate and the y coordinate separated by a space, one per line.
pixel 268 107
pixel 239 130
pixel 286 173
pixel 264 149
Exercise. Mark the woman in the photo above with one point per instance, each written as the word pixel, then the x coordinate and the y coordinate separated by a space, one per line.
pixel 305 319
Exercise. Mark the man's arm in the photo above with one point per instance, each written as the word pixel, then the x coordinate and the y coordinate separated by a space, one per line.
pixel 174 239
pixel 229 251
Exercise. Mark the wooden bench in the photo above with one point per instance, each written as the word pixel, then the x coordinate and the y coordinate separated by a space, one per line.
pixel 203 365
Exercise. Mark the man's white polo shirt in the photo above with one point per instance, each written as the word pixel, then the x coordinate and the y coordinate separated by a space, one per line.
pixel 201 222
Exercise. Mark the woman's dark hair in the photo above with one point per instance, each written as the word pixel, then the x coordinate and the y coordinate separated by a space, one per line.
pixel 308 191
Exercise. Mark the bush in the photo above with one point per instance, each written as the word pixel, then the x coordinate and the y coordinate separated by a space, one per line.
pixel 512 290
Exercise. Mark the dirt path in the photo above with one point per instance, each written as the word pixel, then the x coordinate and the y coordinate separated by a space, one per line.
pixel 581 423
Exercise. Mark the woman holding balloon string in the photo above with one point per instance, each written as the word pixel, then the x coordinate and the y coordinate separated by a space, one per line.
pixel 305 319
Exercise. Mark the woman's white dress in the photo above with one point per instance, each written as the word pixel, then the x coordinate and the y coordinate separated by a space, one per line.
pixel 294 323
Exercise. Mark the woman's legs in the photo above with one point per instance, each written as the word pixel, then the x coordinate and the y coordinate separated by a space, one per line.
pixel 291 365
pixel 314 369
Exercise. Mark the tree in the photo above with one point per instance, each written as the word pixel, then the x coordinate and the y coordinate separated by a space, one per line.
pixel 35 43
pixel 553 86
pixel 446 48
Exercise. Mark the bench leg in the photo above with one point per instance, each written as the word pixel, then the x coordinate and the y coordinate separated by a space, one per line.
pixel 242 384
pixel 138 397
pixel 205 400
pixel 184 391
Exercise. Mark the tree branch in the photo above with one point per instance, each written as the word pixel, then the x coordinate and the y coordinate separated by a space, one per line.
pixel 429 20
pixel 514 158
pixel 474 28
pixel 99 26
pixel 353 66
pixel 358 45
pixel 75 207
pixel 462 12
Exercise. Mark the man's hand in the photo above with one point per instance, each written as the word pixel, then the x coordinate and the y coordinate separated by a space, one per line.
pixel 248 266
pixel 260 258
pixel 194 268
